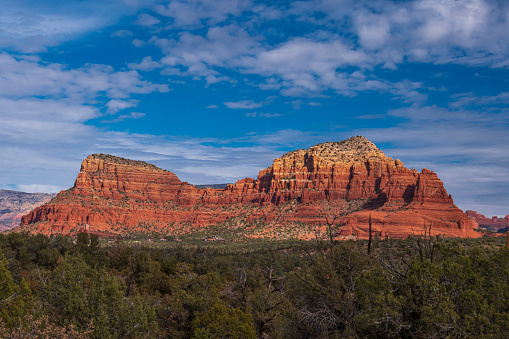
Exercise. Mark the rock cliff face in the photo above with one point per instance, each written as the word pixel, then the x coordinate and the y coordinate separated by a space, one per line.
pixel 352 178
pixel 494 224
pixel 14 204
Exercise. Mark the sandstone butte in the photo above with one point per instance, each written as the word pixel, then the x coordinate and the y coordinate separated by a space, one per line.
pixel 351 179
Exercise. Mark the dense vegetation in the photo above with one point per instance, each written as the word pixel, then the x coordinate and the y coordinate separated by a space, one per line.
pixel 418 287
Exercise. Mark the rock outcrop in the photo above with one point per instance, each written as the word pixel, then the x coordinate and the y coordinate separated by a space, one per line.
pixel 352 178
pixel 493 224
pixel 13 205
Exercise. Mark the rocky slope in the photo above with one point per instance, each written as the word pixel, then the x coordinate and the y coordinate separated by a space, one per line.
pixel 351 179
pixel 14 204
pixel 494 224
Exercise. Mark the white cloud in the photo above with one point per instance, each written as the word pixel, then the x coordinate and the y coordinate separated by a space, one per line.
pixel 123 117
pixel 263 115
pixel 146 64
pixel 368 34
pixel 308 65
pixel 449 19
pixel 147 20
pixel 243 104
pixel 39 136
pixel 44 108
pixel 30 32
pixel 138 43
pixel 122 33
pixel 212 106
pixel 468 99
pixel 297 104
pixel 297 67
pixel 34 188
pixel 191 13
pixel 21 77
pixel 436 31
pixel 213 79
pixel 343 44
pixel 373 30
pixel 221 47
pixel 115 106
pixel 29 26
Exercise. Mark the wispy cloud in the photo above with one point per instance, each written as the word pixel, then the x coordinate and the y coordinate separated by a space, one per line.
pixel 38 188
pixel 123 117
pixel 202 55
pixel 44 111
pixel 115 106
pixel 243 104
pixel 469 99
pixel 263 115
pixel 122 33
pixel 381 34
pixel 27 76
pixel 190 14
pixel 297 104
pixel 30 27
pixel 147 20
pixel 146 64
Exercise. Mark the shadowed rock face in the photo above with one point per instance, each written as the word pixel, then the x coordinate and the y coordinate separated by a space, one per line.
pixel 121 196
pixel 14 204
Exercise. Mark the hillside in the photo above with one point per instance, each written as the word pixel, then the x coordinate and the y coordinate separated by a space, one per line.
pixel 13 205
pixel 494 224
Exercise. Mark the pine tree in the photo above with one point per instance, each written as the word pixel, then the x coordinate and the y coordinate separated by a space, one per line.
pixel 15 301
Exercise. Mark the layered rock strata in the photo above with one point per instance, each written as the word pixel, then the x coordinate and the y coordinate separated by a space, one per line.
pixel 121 196
pixel 13 205
pixel 494 223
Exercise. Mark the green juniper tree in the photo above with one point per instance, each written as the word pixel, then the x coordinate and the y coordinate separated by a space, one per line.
pixel 15 299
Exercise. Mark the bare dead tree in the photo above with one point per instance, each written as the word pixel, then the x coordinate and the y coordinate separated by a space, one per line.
pixel 370 236
pixel 265 302
pixel 332 211
pixel 398 273
pixel 9 298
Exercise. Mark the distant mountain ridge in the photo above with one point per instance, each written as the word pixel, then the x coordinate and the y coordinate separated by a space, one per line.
pixel 14 204
pixel 122 196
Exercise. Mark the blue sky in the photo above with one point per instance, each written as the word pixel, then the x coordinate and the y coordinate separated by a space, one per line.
pixel 215 90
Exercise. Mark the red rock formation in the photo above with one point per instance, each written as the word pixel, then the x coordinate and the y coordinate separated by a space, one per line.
pixel 494 224
pixel 120 196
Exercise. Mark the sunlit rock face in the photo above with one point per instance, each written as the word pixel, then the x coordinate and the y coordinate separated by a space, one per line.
pixel 121 196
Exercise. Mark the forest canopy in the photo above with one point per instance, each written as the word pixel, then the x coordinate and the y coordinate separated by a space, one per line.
pixel 85 287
